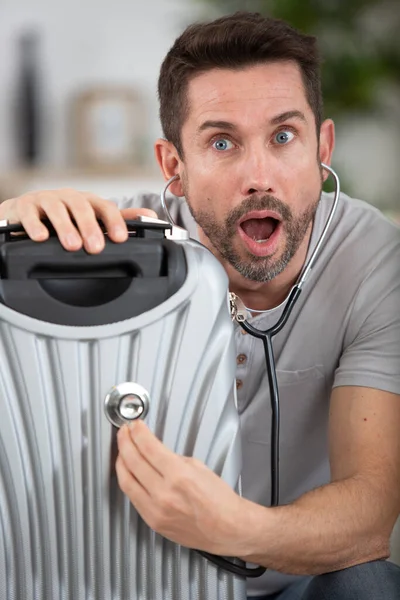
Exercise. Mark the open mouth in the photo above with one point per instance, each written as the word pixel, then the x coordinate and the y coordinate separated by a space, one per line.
pixel 259 230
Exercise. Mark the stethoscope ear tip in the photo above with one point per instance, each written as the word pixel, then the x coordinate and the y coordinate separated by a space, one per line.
pixel 162 198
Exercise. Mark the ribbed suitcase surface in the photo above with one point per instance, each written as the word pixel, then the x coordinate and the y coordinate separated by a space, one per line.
pixel 66 530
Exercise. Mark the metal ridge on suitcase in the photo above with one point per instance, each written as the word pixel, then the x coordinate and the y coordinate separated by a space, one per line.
pixel 76 332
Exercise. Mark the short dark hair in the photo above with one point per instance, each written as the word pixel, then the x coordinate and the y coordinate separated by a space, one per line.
pixel 233 42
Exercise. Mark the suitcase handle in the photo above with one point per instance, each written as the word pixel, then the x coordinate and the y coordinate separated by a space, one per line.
pixel 31 260
pixel 126 279
pixel 137 226
pixel 133 258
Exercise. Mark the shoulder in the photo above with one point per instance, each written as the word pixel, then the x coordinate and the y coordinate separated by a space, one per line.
pixel 358 271
pixel 142 200
pixel 356 216
pixel 361 236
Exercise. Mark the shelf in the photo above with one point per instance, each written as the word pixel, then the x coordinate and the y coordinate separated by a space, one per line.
pixel 107 182
pixel 74 172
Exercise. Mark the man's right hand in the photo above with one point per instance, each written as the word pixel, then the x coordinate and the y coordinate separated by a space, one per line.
pixel 59 206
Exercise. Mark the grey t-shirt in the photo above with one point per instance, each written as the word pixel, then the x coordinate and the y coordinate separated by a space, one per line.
pixel 344 331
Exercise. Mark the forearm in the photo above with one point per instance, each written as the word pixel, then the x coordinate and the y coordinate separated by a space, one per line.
pixel 332 527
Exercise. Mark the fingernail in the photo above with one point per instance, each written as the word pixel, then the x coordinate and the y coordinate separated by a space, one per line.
pixel 40 233
pixel 95 243
pixel 120 232
pixel 72 239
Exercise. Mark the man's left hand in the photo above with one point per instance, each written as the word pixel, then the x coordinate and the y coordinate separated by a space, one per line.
pixel 178 497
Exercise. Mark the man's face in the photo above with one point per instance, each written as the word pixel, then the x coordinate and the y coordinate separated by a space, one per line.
pixel 250 172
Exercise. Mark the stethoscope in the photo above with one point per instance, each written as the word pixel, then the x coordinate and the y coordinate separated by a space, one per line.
pixel 238 313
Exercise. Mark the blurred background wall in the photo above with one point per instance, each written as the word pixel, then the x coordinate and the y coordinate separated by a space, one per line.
pixel 80 45
pixel 119 45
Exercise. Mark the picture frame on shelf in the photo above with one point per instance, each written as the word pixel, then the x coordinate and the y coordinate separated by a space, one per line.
pixel 109 128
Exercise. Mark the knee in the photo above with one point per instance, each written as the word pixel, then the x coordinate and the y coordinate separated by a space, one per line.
pixel 376 580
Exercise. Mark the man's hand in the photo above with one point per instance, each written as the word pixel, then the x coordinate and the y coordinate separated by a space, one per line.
pixel 59 206
pixel 178 497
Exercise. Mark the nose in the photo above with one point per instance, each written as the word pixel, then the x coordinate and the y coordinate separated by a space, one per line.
pixel 257 172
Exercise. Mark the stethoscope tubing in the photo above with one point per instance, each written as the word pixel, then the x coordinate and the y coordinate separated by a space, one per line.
pixel 266 337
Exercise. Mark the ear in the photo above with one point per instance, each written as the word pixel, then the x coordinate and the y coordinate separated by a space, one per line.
pixel 170 164
pixel 326 143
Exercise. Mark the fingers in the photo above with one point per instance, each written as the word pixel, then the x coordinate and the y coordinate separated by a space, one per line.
pixel 137 465
pixel 133 213
pixel 112 218
pixel 161 458
pixel 30 219
pixel 59 216
pixel 85 209
pixel 128 482
pixel 62 207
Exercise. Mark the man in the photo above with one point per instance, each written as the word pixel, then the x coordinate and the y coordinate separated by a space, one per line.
pixel 241 111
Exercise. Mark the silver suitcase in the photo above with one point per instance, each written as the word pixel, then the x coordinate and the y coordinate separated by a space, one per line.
pixel 73 328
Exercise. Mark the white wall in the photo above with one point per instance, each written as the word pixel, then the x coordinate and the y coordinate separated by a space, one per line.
pixel 84 42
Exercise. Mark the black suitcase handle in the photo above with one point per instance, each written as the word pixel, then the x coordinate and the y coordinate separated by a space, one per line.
pixel 137 226
pixel 29 259
pixel 48 282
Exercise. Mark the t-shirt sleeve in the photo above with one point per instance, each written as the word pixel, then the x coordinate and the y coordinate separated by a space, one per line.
pixel 371 354
pixel 153 202
pixel 177 207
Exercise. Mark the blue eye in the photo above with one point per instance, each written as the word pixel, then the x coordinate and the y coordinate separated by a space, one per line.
pixel 283 137
pixel 222 144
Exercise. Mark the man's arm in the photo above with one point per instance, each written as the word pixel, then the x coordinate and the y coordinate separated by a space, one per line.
pixel 350 520
pixel 344 523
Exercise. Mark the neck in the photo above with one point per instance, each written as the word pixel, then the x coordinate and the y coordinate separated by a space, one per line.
pixel 264 297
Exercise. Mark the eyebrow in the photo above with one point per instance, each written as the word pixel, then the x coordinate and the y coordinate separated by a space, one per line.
pixel 290 114
pixel 227 125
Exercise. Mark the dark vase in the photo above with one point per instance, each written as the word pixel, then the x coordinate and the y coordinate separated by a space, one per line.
pixel 28 101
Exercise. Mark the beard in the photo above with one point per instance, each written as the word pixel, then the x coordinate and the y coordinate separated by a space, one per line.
pixel 222 235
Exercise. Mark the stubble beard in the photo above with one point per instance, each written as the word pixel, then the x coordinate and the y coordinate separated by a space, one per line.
pixel 255 268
